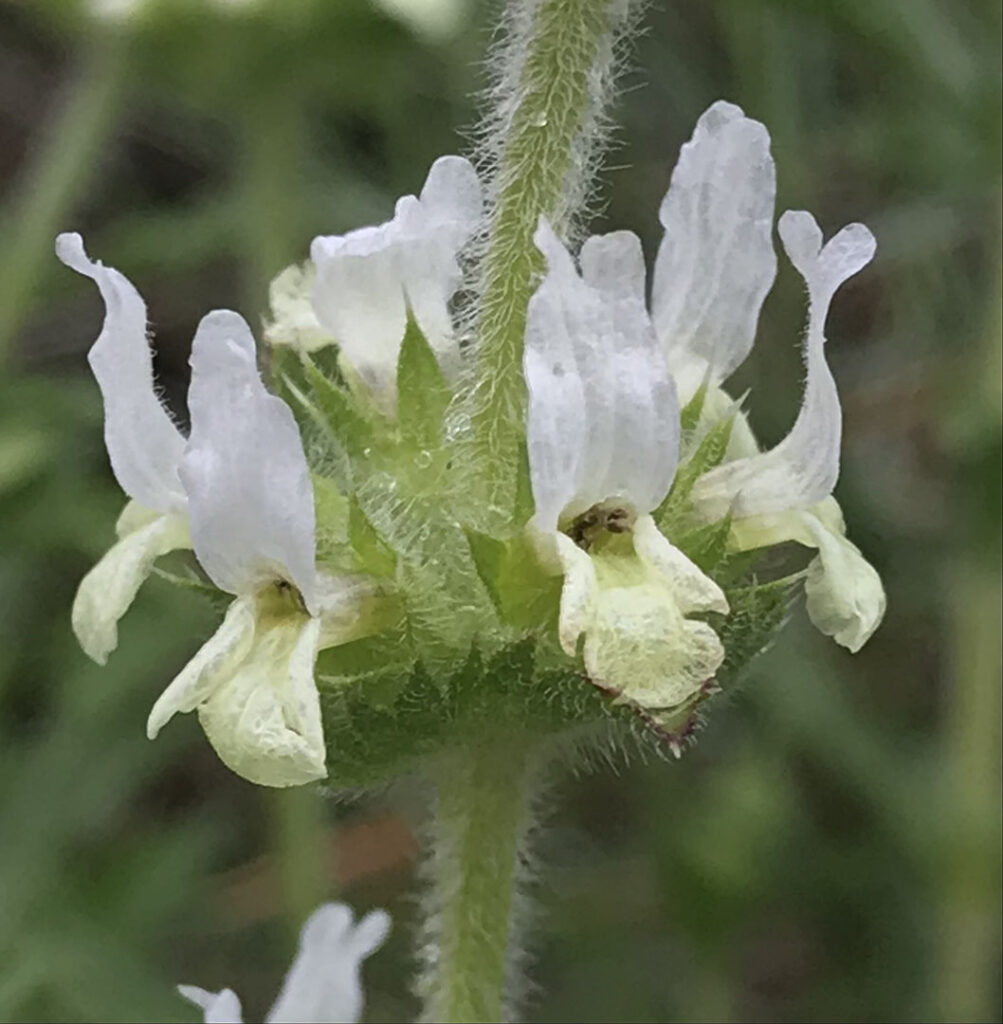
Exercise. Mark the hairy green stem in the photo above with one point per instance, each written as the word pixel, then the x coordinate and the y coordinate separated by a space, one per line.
pixel 482 819
pixel 542 137
pixel 57 175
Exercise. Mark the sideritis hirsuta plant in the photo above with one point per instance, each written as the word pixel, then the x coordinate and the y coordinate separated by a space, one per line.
pixel 497 505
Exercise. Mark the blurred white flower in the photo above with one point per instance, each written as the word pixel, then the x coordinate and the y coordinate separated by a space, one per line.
pixel 323 984
pixel 366 283
pixel 145 448
pixel 124 10
pixel 435 19
pixel 603 439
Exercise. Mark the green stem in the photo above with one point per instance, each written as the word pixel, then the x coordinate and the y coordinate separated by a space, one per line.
pixel 299 841
pixel 481 824
pixel 274 151
pixel 63 166
pixel 555 69
pixel 970 886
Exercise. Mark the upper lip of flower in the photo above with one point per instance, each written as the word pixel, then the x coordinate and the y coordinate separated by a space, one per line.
pixel 603 419
pixel 250 498
pixel 242 475
pixel 144 445
pixel 369 281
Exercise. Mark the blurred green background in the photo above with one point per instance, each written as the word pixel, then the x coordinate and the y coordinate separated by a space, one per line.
pixel 830 850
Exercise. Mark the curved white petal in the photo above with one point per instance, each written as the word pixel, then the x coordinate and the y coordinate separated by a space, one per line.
pixel 293 321
pixel 844 596
pixel 264 719
pixel 144 445
pixel 217 1007
pixel 216 661
pixel 250 497
pixel 558 412
pixel 694 590
pixel 602 421
pixel 358 298
pixel 323 983
pixel 369 278
pixel 433 231
pixel 578 594
pixel 716 261
pixel 106 593
pixel 453 199
pixel 639 390
pixel 803 468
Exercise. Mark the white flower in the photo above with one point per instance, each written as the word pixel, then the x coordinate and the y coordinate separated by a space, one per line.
pixel 603 437
pixel 322 986
pixel 145 449
pixel 293 321
pixel 774 496
pixel 239 492
pixel 369 281
pixel 251 509
pixel 715 265
pixel 716 261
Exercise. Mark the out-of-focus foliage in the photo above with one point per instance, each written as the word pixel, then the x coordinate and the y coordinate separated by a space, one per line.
pixel 830 849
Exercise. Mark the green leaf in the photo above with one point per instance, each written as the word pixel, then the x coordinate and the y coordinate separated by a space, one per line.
pixel 758 612
pixel 710 452
pixel 445 601
pixel 338 412
pixel 377 728
pixel 690 415
pixel 524 504
pixel 523 595
pixel 332 511
pixel 376 668
pixel 706 545
pixel 422 392
pixel 374 556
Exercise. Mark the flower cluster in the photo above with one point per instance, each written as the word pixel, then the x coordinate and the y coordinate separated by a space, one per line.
pixel 646 494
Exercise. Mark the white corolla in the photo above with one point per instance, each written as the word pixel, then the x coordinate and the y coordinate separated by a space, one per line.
pixel 603 439
pixel 239 492
pixel 360 288
pixel 145 448
pixel 323 985
pixel 250 505
pixel 714 268
pixel 605 383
